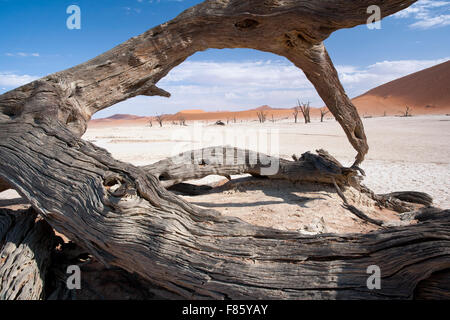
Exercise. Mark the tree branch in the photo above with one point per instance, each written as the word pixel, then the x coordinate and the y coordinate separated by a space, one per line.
pixel 227 161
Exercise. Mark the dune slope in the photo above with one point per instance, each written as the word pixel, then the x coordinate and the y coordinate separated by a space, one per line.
pixel 426 92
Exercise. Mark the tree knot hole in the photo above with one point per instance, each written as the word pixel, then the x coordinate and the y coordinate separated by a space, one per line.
pixel 246 24
pixel 358 133
pixel 115 185
pixel 12 111
pixel 164 177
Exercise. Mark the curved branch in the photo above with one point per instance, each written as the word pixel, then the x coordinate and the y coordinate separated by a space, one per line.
pixel 319 69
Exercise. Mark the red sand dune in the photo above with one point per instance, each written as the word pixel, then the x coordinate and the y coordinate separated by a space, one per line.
pixel 196 114
pixel 192 111
pixel 230 115
pixel 426 92
pixel 123 117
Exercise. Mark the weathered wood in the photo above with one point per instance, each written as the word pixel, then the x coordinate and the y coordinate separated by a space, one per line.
pixel 125 218
pixel 122 214
pixel 4 185
pixel 409 196
pixel 402 202
pixel 436 287
pixel 424 214
pixel 26 245
pixel 96 281
pixel 227 161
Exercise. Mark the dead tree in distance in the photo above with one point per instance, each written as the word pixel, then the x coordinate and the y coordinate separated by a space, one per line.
pixel 160 118
pixel 323 113
pixel 261 116
pixel 305 108
pixel 295 113
pixel 407 112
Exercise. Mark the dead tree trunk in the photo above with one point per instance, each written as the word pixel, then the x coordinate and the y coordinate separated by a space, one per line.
pixel 25 255
pixel 323 113
pixel 122 214
pixel 261 116
pixel 407 112
pixel 160 119
pixel 295 114
pixel 305 109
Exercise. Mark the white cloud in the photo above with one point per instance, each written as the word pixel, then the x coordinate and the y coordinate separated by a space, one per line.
pixel 216 86
pixel 236 84
pixel 276 83
pixel 22 54
pixel 439 21
pixel 428 13
pixel 129 10
pixel 12 80
pixel 359 80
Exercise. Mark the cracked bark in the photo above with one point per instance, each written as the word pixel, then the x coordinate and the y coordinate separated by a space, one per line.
pixel 26 245
pixel 123 215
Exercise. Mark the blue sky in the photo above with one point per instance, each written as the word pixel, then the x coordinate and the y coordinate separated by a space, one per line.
pixel 35 41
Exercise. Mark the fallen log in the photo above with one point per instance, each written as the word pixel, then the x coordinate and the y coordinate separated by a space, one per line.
pixel 227 161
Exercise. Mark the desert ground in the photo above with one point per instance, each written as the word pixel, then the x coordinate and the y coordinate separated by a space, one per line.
pixel 406 154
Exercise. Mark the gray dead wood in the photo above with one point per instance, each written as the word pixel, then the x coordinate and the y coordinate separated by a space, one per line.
pixel 96 281
pixel 436 287
pixel 26 245
pixel 226 161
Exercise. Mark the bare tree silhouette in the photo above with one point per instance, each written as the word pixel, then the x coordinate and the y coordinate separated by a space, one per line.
pixel 160 118
pixel 323 113
pixel 305 108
